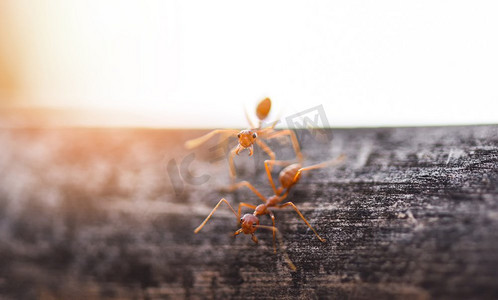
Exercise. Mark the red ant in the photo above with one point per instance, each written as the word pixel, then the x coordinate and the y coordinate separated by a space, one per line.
pixel 288 177
pixel 248 137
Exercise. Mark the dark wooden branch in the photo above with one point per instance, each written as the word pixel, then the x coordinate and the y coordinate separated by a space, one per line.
pixel 411 214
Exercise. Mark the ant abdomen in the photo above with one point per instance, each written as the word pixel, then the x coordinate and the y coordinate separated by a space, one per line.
pixel 263 108
pixel 288 177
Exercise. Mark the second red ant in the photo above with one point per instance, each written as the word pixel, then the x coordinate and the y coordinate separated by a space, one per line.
pixel 288 177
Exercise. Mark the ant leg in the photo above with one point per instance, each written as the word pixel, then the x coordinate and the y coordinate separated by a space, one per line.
pixel 247 184
pixel 268 167
pixel 200 140
pixel 267 149
pixel 329 163
pixel 240 208
pixel 275 123
pixel 282 246
pixel 231 155
pixel 212 212
pixel 295 142
pixel 248 118
pixel 269 128
pixel 270 178
pixel 272 216
pixel 302 217
pixel 282 163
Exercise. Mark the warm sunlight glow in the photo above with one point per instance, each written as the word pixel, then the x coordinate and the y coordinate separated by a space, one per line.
pixel 98 54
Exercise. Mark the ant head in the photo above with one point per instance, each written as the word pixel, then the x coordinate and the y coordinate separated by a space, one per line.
pixel 246 140
pixel 249 223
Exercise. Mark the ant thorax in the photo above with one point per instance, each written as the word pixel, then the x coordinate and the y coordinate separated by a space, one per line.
pixel 273 201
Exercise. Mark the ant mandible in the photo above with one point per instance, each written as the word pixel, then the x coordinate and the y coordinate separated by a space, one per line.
pixel 248 137
pixel 288 177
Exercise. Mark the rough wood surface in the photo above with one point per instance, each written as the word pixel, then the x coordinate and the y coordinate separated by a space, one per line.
pixel 110 213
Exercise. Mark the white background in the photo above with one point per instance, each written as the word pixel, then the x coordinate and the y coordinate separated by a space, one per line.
pixel 198 63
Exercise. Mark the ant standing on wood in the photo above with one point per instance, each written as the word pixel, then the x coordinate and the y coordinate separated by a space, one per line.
pixel 288 177
pixel 248 137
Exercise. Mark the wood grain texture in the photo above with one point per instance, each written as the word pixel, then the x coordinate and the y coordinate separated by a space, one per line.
pixel 110 213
